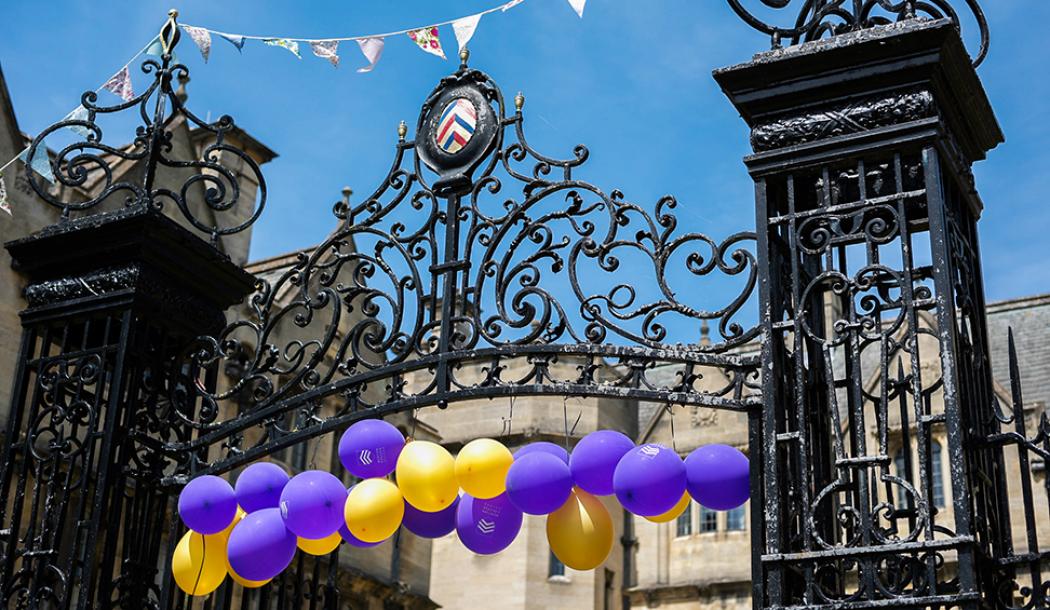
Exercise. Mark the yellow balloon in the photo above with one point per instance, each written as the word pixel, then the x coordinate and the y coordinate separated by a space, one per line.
pixel 374 509
pixel 675 512
pixel 320 547
pixel 481 468
pixel 426 476
pixel 199 562
pixel 247 584
pixel 580 533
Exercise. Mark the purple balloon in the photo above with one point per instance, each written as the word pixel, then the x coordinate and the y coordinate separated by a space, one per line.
pixel 353 540
pixel 260 486
pixel 487 526
pixel 370 448
pixel 312 505
pixel 538 483
pixel 207 504
pixel 430 525
pixel 718 476
pixel 260 546
pixel 649 480
pixel 594 460
pixel 543 447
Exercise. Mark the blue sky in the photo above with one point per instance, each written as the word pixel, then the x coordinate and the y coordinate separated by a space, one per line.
pixel 631 80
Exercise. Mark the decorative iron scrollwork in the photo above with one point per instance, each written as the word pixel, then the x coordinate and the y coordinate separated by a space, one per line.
pixel 89 167
pixel 434 284
pixel 817 19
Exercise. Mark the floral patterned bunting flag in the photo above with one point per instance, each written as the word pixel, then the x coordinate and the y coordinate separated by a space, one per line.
pixel 120 85
pixel 3 197
pixel 285 43
pixel 327 49
pixel 577 5
pixel 202 38
pixel 372 48
pixel 427 39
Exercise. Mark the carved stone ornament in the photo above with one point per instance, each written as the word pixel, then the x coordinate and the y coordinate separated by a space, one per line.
pixel 855 117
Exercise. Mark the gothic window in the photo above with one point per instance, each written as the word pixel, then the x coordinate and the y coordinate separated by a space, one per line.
pixel 735 519
pixel 708 520
pixel 937 483
pixel 684 522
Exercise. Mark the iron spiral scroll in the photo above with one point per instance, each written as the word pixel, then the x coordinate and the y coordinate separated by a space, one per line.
pixel 86 170
pixel 818 19
pixel 443 285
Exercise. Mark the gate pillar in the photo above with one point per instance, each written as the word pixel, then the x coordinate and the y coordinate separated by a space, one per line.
pixel 876 379
pixel 112 299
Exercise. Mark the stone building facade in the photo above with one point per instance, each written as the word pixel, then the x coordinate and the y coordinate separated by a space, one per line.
pixel 701 560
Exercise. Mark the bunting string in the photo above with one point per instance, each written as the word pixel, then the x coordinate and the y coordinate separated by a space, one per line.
pixel 427 38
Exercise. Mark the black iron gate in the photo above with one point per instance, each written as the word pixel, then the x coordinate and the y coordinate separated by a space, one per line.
pixel 485 269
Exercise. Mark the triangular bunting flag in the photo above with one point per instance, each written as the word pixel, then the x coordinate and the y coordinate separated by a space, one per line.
pixel 155 48
pixel 285 43
pixel 234 39
pixel 372 48
pixel 577 5
pixel 3 197
pixel 506 7
pixel 202 38
pixel 120 85
pixel 79 114
pixel 464 29
pixel 41 162
pixel 327 49
pixel 427 39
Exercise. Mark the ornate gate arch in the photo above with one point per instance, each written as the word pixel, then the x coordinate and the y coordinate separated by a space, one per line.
pixel 446 270
pixel 481 268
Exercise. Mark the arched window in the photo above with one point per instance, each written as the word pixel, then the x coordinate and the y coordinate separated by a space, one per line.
pixel 684 522
pixel 937 481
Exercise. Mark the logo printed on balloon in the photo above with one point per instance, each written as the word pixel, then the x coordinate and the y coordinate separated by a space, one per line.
pixel 650 450
pixel 486 527
pixel 366 457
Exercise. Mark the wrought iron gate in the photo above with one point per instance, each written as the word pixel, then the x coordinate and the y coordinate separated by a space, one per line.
pixel 481 268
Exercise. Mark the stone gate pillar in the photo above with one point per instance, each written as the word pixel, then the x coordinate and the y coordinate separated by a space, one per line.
pixel 875 493
pixel 114 299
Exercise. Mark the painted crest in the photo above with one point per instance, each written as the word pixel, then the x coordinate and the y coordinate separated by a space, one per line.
pixel 456 125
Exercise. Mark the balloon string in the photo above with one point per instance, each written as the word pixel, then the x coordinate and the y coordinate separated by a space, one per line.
pixel 508 421
pixel 412 432
pixel 565 416
pixel 670 411
pixel 200 572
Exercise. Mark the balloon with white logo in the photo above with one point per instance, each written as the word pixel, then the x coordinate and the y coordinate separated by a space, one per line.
pixel 649 480
pixel 370 448
pixel 487 526
pixel 312 504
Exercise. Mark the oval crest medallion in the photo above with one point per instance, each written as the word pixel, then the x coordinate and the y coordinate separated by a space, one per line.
pixel 456 126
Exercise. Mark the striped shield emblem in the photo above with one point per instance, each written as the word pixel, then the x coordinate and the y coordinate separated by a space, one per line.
pixel 456 126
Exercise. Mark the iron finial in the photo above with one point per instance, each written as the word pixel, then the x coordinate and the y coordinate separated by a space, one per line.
pixel 347 193
pixel 464 55
pixel 402 130
pixel 169 32
pixel 519 101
